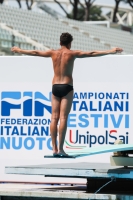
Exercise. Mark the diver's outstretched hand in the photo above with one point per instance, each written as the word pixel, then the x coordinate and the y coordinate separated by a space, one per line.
pixel 117 50
pixel 15 49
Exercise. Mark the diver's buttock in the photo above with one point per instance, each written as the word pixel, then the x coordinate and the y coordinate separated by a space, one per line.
pixel 61 90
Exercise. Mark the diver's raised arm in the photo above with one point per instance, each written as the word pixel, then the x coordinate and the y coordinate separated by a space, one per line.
pixel 47 53
pixel 84 54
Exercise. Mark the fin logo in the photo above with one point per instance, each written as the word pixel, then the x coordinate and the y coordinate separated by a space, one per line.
pixel 31 103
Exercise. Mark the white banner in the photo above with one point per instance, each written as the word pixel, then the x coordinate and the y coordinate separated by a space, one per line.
pixel 102 109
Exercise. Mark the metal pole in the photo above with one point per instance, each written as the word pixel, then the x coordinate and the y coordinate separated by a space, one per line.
pixel 13 43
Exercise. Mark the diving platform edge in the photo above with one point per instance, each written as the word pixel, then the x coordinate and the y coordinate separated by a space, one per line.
pixel 83 170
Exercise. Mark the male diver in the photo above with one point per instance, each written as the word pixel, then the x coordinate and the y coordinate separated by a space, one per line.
pixel 62 84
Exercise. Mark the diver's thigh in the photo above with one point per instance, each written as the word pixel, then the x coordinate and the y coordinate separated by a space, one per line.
pixel 66 103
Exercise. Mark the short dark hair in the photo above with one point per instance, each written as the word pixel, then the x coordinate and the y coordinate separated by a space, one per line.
pixel 66 38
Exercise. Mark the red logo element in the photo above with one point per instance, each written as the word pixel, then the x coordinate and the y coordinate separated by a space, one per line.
pixel 113 131
pixel 71 137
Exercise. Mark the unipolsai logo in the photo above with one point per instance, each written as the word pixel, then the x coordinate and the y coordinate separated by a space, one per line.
pixel 30 103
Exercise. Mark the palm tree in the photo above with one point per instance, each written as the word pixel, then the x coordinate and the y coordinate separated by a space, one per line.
pixel 75 8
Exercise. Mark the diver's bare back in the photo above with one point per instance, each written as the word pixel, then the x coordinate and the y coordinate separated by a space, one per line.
pixel 63 61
